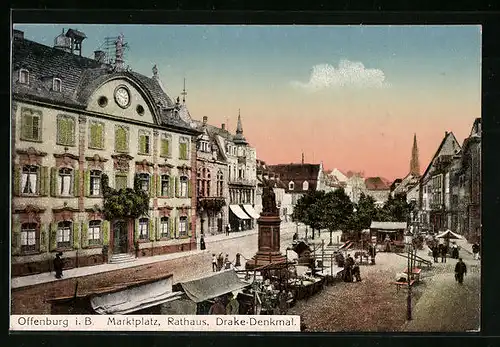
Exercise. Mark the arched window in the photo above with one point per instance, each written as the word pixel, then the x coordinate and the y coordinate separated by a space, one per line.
pixel 65 177
pixel 94 233
pixel 291 185
pixel 28 237
pixel 305 185
pixel 29 179
pixel 64 234
pixel 220 183
pixel 57 85
pixel 184 187
pixel 143 228
pixel 164 230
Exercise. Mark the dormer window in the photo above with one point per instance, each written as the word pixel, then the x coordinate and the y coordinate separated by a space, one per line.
pixel 56 85
pixel 291 185
pixel 24 76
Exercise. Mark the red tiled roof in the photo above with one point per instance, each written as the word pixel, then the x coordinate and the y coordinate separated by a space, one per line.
pixel 297 173
pixel 375 183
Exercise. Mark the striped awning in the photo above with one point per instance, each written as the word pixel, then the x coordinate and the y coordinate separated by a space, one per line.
pixel 250 211
pixel 238 212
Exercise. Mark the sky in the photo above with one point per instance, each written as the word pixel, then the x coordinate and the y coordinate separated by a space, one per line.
pixel 349 96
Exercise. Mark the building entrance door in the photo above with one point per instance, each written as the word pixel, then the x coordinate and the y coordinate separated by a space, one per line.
pixel 120 237
pixel 219 224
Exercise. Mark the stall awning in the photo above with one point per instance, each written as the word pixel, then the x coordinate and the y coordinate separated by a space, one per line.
pixel 135 298
pixel 250 211
pixel 388 226
pixel 239 212
pixel 213 286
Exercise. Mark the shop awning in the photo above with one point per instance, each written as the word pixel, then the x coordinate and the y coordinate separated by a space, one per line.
pixel 250 211
pixel 135 298
pixel 388 226
pixel 213 286
pixel 239 212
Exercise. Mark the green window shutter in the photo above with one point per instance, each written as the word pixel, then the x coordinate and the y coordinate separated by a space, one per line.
pixel 53 181
pixel 183 150
pixel 16 237
pixel 100 135
pixel 158 185
pixel 85 235
pixel 93 135
pixel 27 125
pixel 60 129
pixel 75 230
pixel 189 232
pixel 53 237
pixel 86 183
pixel 121 140
pixel 152 185
pixel 43 238
pixel 177 187
pixel 71 131
pixel 105 232
pixel 176 226
pixel 158 228
pixel 142 144
pixel 17 180
pixel 164 147
pixel 136 232
pixel 171 226
pixel 44 180
pixel 189 189
pixel 152 231
pixel 172 186
pixel 76 183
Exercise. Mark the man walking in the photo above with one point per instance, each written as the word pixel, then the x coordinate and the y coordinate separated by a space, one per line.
pixel 58 265
pixel 228 229
pixel 444 251
pixel 460 271
pixel 214 263
pixel 435 253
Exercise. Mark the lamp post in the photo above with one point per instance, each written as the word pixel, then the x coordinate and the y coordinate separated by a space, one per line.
pixel 409 272
pixel 201 220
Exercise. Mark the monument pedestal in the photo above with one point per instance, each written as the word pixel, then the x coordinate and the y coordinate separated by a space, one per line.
pixel 269 242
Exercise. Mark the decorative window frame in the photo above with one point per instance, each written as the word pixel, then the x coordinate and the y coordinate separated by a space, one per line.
pixel 95 122
pixel 169 235
pixel 30 214
pixel 54 82
pixel 32 112
pixel 127 138
pixel 21 71
pixel 186 179
pixel 67 161
pixel 149 146
pixel 145 238
pixel 187 141
pixel 100 240
pixel 58 138
pixel 166 136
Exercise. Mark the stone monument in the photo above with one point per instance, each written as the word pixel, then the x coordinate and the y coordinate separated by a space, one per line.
pixel 269 232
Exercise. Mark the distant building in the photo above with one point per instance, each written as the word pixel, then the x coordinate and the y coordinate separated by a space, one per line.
pixel 283 198
pixel 355 185
pixel 378 189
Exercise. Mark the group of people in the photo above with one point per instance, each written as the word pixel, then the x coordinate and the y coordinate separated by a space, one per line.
pixel 232 307
pixel 351 270
pixel 442 250
pixel 220 262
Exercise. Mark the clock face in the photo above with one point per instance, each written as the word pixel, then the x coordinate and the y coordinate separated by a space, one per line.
pixel 122 97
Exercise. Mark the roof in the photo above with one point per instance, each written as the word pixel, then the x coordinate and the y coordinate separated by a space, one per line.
pixel 438 151
pixel 376 183
pixel 388 225
pixel 80 77
pixel 297 173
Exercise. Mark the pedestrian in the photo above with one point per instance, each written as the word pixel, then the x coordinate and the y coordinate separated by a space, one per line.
pixel 435 253
pixel 454 251
pixel 220 262
pixel 356 273
pixel 239 227
pixel 202 243
pixel 58 265
pixel 349 264
pixel 475 251
pixel 228 229
pixel 214 263
pixel 227 263
pixel 444 251
pixel 233 306
pixel 460 271
pixel 217 307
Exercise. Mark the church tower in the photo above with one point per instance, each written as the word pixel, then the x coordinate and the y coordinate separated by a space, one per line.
pixel 239 139
pixel 414 164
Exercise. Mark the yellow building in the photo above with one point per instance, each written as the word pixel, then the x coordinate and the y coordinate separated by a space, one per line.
pixel 77 122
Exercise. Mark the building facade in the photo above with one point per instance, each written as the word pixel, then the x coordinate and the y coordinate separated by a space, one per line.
pixel 77 122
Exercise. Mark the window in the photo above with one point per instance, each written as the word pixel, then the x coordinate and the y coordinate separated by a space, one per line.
pixel 121 139
pixel 65 181
pixel 94 233
pixel 143 228
pixel 165 145
pixel 95 183
pixel 65 130
pixel 164 232
pixel 24 76
pixel 28 237
pixel 203 182
pixel 305 185
pixel 291 186
pixel 57 85
pixel 29 179
pixel 184 187
pixel 183 148
pixel 121 181
pixel 143 181
pixel 165 185
pixel 183 226
pixel 144 142
pixel 204 146
pixel 30 125
pixel 240 173
pixel 64 234
pixel 96 134
pixel 220 183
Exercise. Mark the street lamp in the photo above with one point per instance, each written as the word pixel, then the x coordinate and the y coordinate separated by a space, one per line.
pixel 201 219
pixel 409 271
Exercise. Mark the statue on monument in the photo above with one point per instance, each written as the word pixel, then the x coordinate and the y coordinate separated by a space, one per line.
pixel 269 201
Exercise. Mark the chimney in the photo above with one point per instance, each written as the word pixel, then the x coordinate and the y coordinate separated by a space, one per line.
pixel 18 34
pixel 223 126
pixel 205 118
pixel 99 56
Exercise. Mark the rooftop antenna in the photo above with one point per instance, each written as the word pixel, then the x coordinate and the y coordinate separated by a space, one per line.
pixel 184 92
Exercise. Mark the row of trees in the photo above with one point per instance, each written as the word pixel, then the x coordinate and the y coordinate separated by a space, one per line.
pixel 335 211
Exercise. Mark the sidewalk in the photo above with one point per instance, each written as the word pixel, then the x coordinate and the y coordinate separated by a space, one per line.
pixel 25 281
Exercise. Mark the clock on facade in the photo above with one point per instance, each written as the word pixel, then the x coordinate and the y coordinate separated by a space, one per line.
pixel 122 97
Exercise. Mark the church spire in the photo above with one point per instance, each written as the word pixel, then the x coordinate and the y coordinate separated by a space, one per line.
pixel 238 138
pixel 414 163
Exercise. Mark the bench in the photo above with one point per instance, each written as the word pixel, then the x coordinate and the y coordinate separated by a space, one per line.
pixel 401 284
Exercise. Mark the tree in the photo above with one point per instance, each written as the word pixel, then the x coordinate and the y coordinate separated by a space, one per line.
pixel 338 210
pixel 124 203
pixel 366 212
pixel 315 211
pixel 396 209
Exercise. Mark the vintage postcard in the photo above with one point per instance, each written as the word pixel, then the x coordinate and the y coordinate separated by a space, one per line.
pixel 246 178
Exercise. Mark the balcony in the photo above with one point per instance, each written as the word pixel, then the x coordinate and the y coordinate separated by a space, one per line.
pixel 211 202
pixel 243 182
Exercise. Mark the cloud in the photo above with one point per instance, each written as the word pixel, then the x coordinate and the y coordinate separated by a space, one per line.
pixel 347 74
